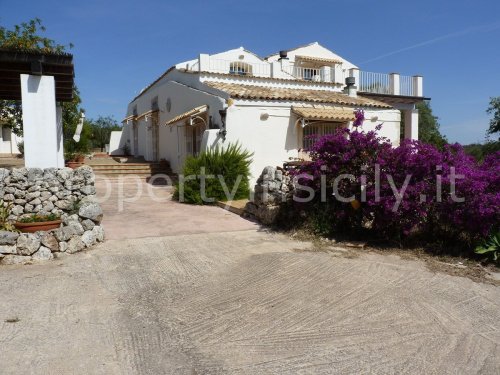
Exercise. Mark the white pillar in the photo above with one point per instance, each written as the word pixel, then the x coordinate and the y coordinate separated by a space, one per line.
pixel 394 84
pixel 204 62
pixel 42 135
pixel 326 73
pixel 60 139
pixel 418 86
pixel 411 124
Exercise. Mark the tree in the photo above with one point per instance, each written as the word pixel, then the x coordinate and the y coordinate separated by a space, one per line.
pixel 428 126
pixel 101 130
pixel 27 36
pixel 494 109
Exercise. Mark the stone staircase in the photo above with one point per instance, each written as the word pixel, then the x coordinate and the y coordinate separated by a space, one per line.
pixel 114 168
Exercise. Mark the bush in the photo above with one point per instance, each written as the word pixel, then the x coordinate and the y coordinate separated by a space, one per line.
pixel 374 209
pixel 220 170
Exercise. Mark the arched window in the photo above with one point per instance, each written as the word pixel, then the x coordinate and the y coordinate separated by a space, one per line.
pixel 240 68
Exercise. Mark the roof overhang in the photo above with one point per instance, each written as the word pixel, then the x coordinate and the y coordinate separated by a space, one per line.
pixel 147 115
pixel 197 111
pixel 318 59
pixel 13 63
pixel 128 119
pixel 393 99
pixel 322 113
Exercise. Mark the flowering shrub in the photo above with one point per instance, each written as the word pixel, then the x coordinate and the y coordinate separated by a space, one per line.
pixel 362 183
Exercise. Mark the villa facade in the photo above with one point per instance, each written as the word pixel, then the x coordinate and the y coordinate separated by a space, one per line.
pixel 269 105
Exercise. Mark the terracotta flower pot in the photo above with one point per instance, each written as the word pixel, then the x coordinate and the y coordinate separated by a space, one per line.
pixel 73 164
pixel 35 227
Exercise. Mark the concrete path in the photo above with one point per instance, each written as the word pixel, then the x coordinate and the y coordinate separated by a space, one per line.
pixel 241 302
pixel 134 209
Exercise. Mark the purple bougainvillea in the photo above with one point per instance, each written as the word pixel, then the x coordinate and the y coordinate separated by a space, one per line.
pixel 444 193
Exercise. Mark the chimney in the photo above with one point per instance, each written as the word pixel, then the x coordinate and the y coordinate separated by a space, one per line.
pixel 285 63
pixel 350 87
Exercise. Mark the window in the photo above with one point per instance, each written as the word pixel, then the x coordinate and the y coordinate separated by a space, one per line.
pixel 312 131
pixel 240 68
pixel 154 104
pixel 194 135
pixel 310 73
pixel 6 134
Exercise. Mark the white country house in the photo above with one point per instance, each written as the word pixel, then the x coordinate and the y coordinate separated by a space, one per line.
pixel 269 105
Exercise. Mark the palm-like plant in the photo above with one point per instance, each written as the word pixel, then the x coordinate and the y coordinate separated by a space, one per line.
pixel 490 247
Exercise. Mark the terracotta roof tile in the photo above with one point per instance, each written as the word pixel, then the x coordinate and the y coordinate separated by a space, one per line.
pixel 182 116
pixel 253 92
pixel 325 113
pixel 318 59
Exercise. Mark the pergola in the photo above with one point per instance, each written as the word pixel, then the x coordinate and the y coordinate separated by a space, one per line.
pixel 39 80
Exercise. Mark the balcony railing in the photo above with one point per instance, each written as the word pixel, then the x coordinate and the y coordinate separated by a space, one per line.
pixel 378 83
pixel 390 84
pixel 239 68
pixel 326 74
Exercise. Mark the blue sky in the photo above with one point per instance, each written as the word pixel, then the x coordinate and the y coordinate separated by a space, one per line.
pixel 121 46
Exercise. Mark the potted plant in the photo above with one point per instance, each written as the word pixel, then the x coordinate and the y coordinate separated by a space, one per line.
pixel 5 224
pixel 74 159
pixel 36 222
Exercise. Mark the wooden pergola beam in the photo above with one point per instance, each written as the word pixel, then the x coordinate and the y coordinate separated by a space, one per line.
pixel 13 63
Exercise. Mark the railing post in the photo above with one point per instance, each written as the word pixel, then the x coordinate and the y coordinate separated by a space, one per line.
pixel 276 70
pixel 326 73
pixel 354 72
pixel 204 62
pixel 418 86
pixel 394 84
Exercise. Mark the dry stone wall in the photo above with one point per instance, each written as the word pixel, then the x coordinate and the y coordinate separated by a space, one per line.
pixel 65 192
pixel 273 189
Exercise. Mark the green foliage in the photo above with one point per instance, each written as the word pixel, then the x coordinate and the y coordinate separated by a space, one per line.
pixel 480 151
pixel 20 147
pixel 494 109
pixel 230 164
pixel 490 247
pixel 5 209
pixel 36 218
pixel 11 115
pixel 101 130
pixel 428 126
pixel 126 149
pixel 27 36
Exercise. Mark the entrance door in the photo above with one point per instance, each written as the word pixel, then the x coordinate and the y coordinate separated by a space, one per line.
pixel 155 139
pixel 135 128
pixel 194 135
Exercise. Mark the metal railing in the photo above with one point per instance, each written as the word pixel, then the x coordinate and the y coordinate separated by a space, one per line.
pixel 378 83
pixel 406 86
pixel 239 68
pixel 331 75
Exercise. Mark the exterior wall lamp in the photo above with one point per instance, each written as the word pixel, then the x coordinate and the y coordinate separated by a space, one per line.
pixel 223 131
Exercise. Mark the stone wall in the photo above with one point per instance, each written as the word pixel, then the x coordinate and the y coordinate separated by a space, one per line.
pixel 274 187
pixel 65 192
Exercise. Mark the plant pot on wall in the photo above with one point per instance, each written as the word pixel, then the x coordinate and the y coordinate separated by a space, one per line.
pixel 36 226
pixel 74 164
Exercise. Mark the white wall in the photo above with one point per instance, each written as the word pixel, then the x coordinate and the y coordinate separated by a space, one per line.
pixel 314 50
pixel 272 140
pixel 9 144
pixel 390 120
pixel 182 98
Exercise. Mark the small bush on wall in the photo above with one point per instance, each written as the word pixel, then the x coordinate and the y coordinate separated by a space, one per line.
pixel 218 174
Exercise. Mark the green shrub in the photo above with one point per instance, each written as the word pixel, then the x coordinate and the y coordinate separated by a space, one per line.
pixel 491 247
pixel 221 170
